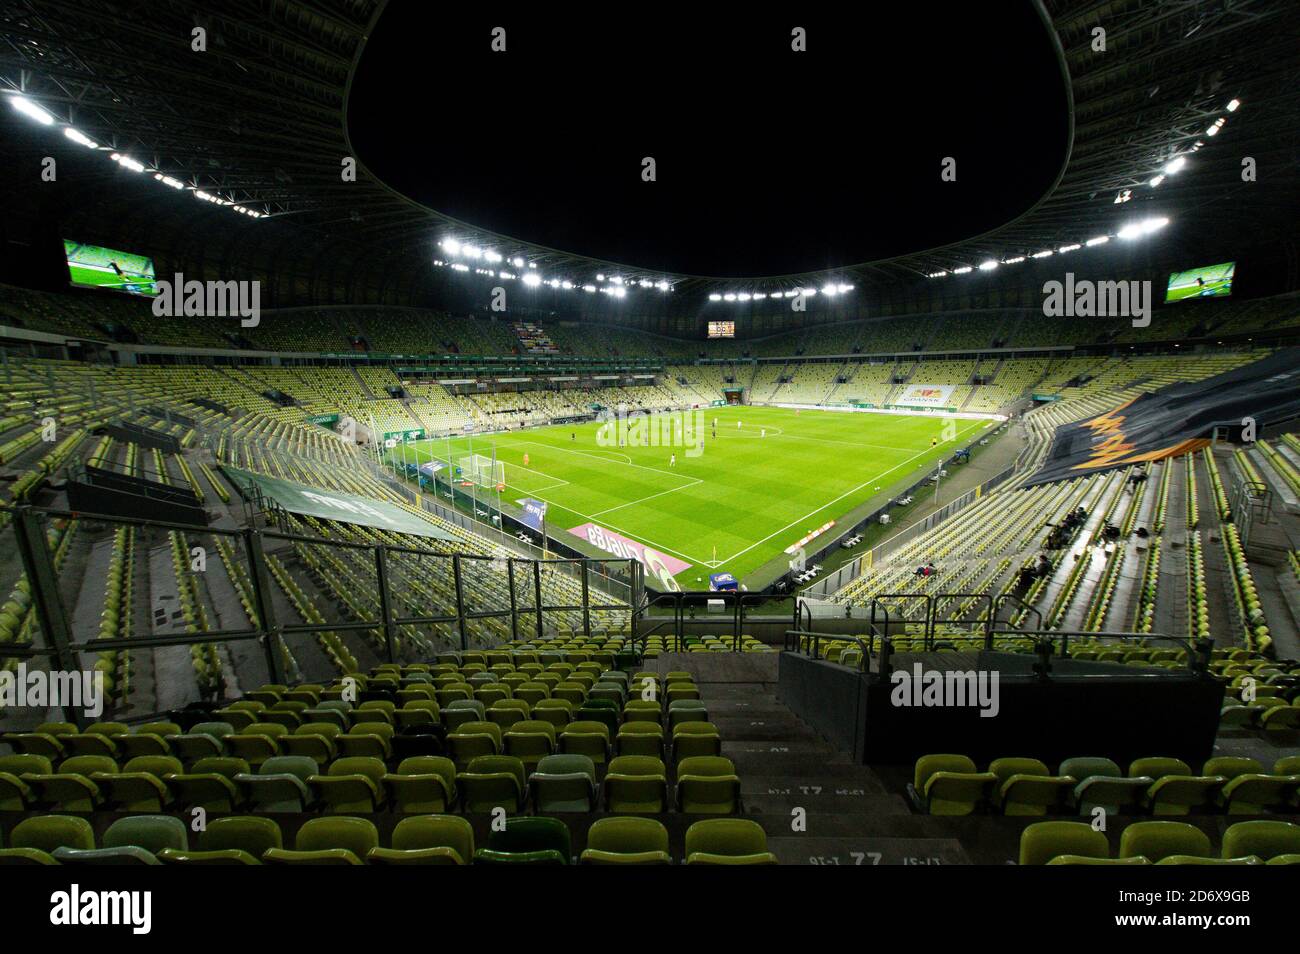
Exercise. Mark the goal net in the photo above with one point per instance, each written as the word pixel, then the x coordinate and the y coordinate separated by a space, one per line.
pixel 483 471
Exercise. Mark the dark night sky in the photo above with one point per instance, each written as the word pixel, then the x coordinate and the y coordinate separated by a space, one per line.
pixel 768 161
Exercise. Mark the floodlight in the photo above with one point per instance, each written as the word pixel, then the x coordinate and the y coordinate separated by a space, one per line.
pixel 31 110
pixel 77 136
pixel 532 280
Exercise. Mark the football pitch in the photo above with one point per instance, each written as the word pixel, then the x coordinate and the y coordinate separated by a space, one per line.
pixel 770 476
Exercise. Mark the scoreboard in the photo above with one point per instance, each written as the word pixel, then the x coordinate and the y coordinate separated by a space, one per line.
pixel 722 329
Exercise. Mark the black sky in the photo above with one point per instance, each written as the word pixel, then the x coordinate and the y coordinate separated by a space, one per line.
pixel 768 161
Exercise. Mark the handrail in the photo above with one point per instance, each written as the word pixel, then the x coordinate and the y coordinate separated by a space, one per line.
pixel 934 613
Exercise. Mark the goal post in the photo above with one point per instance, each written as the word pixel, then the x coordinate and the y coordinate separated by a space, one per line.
pixel 482 471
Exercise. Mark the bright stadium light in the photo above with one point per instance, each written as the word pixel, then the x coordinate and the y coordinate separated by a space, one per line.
pixel 759 296
pixel 492 256
pixel 715 297
pixel 1144 227
pixel 743 296
pixel 31 110
pixel 177 184
pixel 1013 261
pixel 471 251
pixel 730 296
pixel 1156 180
pixel 1213 130
pixel 77 136
pixel 532 279
pixel 618 292
pixel 1175 164
pixel 1045 253
pixel 988 266
pixel 937 274
pixel 663 286
pixel 459 267
pixel 617 280
pixel 452 246
pixel 517 262
pixel 1233 104
pixel 131 164
pixel 589 288
pixel 1069 248
pixel 1099 240
pixel 962 270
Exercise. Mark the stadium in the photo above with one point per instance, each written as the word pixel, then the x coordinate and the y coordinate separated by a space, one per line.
pixel 498 458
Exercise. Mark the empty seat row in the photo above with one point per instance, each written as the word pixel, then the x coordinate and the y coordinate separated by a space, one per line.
pixel 952 785
pixel 344 840
pixel 1161 842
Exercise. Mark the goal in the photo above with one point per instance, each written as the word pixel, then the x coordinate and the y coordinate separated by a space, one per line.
pixel 483 471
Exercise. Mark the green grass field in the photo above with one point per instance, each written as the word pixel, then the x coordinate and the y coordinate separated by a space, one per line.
pixel 737 504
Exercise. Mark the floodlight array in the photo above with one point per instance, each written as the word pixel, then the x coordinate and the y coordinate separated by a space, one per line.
pixel 35 111
pixel 615 286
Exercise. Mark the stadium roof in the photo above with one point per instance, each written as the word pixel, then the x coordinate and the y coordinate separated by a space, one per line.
pixel 258 121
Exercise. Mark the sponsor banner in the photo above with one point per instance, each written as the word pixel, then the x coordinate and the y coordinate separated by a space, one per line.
pixel 332 505
pixel 723 581
pixel 926 395
pixel 661 567
pixel 534 512
pixel 809 537
pixel 1176 419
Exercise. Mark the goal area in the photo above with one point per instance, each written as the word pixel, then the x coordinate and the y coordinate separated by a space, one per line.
pixel 483 471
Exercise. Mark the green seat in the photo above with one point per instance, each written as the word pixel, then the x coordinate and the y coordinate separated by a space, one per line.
pixel 1249 790
pixel 1198 860
pixel 209 784
pixel 727 841
pixel 1026 786
pixel 530 740
pixel 147 739
pixel 555 711
pixel 15 794
pixel 97 739
pixel 641 738
pixel 205 739
pixel 636 784
pixel 339 840
pixel 1264 839
pixel 527 841
pixel 428 840
pixel 257 742
pixel 351 785
pixel 586 738
pixel 1085 860
pixel 72 788
pixel 491 782
pixel 34 840
pixel 372 740
pixel 507 712
pixel 1043 841
pixel 642 710
pixel 563 783
pixel 473 739
pixel 691 739
pixel 626 841
pixel 1102 785
pixel 1155 840
pixel 949 784
pixel 422 784
pixel 141 785
pixel 133 840
pixel 708 785
pixel 280 785
pixel 231 840
pixel 1282 718
pixel 45 744
pixel 313 740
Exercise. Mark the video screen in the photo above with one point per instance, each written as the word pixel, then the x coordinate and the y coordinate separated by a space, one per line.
pixel 722 329
pixel 90 266
pixel 1212 281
